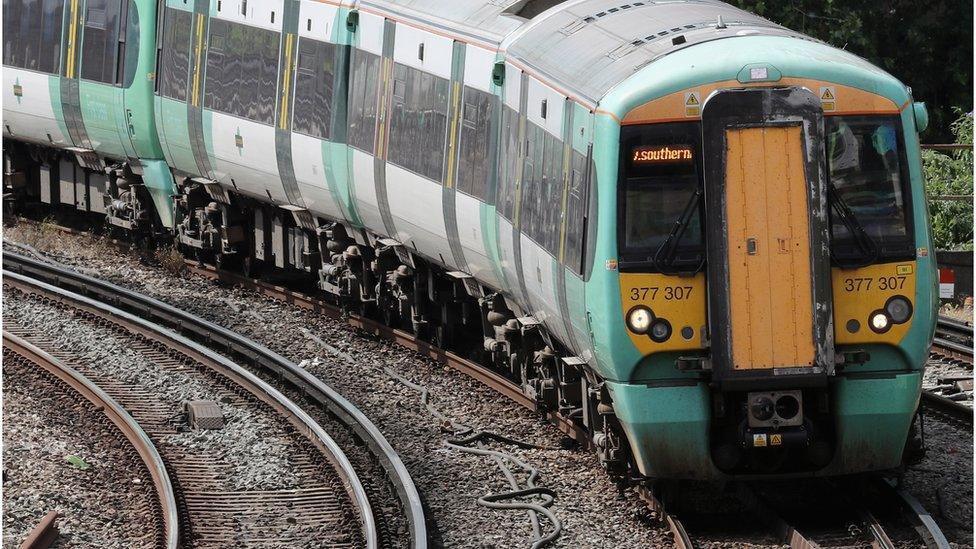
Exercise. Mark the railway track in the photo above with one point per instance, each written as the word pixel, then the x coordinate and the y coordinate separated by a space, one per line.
pixel 850 518
pixel 164 515
pixel 954 339
pixel 375 527
pixel 873 532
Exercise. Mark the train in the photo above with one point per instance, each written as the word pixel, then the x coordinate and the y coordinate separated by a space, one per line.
pixel 697 235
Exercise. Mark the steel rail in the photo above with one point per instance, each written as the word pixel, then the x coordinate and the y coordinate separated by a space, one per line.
pixel 947 328
pixel 266 359
pixel 44 534
pixel 681 538
pixel 881 539
pixel 951 408
pixel 925 525
pixel 123 421
pixel 239 375
pixel 952 325
pixel 786 533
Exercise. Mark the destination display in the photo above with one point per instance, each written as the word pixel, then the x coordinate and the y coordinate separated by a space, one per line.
pixel 662 154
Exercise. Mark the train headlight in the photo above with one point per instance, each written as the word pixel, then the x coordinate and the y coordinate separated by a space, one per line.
pixel 899 309
pixel 660 330
pixel 879 322
pixel 639 319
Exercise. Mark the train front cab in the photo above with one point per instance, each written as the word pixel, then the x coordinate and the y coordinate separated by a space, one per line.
pixel 792 344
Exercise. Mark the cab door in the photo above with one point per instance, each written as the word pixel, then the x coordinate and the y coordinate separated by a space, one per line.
pixel 768 259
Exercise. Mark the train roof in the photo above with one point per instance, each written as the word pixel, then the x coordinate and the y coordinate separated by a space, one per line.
pixel 588 46
pixel 594 44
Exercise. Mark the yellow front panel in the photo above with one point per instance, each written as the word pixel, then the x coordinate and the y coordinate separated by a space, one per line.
pixel 860 292
pixel 769 249
pixel 680 300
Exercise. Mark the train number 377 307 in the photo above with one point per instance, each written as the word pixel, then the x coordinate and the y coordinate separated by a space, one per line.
pixel 879 283
pixel 668 293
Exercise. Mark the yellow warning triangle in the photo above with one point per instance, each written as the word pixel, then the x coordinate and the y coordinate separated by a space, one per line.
pixel 826 95
pixel 692 100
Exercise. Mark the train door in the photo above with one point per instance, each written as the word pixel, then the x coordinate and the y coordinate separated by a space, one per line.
pixel 769 264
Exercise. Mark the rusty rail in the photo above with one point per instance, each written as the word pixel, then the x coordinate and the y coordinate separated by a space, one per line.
pixel 678 532
pixel 128 426
pixel 44 534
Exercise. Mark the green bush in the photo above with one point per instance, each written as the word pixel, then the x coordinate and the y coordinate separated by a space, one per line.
pixel 949 186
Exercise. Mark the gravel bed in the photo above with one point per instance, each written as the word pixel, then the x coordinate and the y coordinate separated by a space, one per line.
pixel 45 422
pixel 587 503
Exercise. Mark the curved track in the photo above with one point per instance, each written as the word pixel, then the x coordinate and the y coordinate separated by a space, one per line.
pixel 157 312
pixel 129 428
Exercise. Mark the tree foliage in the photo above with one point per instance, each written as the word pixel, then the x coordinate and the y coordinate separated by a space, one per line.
pixel 927 45
pixel 947 178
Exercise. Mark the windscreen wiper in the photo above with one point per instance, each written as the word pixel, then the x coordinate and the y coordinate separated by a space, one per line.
pixel 861 237
pixel 668 250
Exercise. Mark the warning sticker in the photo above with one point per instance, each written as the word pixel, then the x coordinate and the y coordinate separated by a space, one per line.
pixel 775 440
pixel 611 264
pixel 759 440
pixel 693 104
pixel 828 98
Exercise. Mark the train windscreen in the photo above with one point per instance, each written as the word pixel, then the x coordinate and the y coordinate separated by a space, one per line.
pixel 660 174
pixel 867 169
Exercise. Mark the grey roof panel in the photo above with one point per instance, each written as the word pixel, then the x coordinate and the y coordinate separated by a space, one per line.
pixel 485 18
pixel 594 44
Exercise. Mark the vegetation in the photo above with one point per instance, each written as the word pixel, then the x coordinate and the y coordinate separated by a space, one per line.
pixel 949 184
pixel 927 45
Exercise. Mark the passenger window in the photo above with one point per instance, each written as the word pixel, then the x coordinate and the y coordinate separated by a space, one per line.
pixel 418 122
pixel 32 34
pixel 477 127
pixel 242 71
pixel 175 59
pixel 542 189
pixel 505 197
pixel 363 89
pixel 576 213
pixel 313 88
pixel 100 52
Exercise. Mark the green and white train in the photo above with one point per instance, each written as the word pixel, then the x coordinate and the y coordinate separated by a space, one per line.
pixel 699 236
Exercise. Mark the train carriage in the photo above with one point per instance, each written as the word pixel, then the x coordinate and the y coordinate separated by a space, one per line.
pixel 699 236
